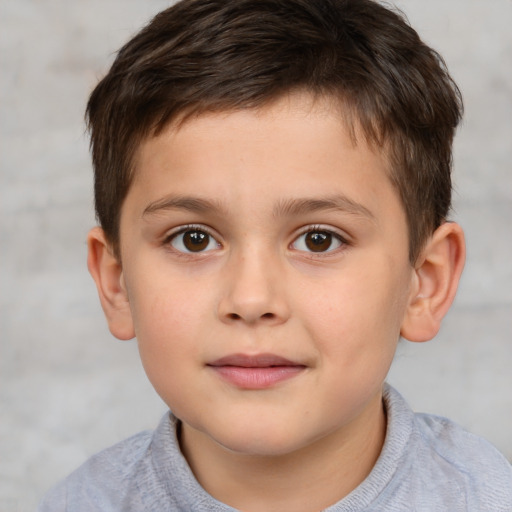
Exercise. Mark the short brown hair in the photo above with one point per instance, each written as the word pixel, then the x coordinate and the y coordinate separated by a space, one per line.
pixel 211 55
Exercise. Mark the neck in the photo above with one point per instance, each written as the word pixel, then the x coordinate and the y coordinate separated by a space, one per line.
pixel 311 478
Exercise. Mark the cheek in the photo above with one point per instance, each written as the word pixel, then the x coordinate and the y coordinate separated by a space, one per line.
pixel 166 342
pixel 167 317
pixel 165 304
pixel 357 322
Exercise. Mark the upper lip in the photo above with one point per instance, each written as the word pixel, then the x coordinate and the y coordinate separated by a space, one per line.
pixel 253 361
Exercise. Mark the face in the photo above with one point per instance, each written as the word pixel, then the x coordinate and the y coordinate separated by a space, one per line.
pixel 265 261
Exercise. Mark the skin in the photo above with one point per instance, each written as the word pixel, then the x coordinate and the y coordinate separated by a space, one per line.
pixel 257 186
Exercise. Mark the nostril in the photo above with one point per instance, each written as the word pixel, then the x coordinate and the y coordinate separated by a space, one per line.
pixel 236 316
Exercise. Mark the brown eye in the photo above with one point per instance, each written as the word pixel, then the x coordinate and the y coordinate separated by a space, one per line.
pixel 317 241
pixel 196 241
pixel 193 240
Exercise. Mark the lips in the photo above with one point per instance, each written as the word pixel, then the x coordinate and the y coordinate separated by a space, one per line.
pixel 255 371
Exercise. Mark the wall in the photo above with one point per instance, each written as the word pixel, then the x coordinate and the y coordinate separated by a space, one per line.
pixel 67 389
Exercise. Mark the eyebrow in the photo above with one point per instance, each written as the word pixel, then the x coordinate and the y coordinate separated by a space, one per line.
pixel 191 204
pixel 287 207
pixel 336 203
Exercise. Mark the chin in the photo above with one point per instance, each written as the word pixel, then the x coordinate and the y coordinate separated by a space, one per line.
pixel 265 442
pixel 261 447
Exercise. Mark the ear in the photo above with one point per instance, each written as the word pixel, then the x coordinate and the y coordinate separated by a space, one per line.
pixel 435 281
pixel 107 272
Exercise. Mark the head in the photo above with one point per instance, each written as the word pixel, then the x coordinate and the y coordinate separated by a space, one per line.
pixel 211 55
pixel 272 181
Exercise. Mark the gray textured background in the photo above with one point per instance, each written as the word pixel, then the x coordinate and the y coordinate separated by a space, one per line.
pixel 67 389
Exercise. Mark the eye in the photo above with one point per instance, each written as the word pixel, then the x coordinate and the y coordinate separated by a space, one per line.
pixel 318 240
pixel 192 240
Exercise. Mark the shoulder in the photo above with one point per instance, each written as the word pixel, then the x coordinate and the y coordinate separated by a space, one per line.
pixel 144 473
pixel 105 480
pixel 472 465
pixel 434 464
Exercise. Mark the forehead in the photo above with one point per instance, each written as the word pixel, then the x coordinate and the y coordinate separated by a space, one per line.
pixel 297 106
pixel 297 146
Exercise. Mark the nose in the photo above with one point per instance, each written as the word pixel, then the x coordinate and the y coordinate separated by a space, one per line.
pixel 253 290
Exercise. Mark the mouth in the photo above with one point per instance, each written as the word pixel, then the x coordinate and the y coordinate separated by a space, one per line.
pixel 255 372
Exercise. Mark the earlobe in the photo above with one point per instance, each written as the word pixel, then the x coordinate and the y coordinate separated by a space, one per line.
pixel 436 278
pixel 107 272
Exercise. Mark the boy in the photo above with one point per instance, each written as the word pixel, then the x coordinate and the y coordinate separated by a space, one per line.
pixel 272 182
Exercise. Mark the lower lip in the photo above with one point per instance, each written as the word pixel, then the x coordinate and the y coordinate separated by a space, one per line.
pixel 257 378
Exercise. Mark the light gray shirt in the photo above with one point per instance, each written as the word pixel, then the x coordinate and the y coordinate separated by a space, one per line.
pixel 427 464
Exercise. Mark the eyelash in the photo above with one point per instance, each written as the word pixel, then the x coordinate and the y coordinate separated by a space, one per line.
pixel 318 229
pixel 168 241
pixel 322 229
